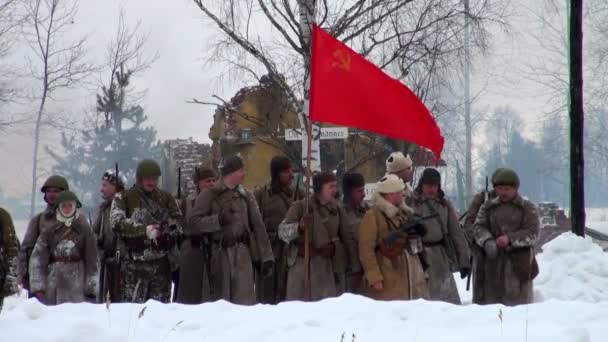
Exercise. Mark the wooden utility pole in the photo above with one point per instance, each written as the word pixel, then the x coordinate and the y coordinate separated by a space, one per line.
pixel 577 163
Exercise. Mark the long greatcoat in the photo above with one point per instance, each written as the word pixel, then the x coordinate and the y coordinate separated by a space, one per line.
pixel 274 204
pixel 194 257
pixel 107 245
pixel 329 258
pixel 509 276
pixel 446 247
pixel 477 252
pixel 38 224
pixel 64 264
pixel 403 276
pixel 353 216
pixel 235 244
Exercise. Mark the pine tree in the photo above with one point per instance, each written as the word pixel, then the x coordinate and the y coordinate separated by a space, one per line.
pixel 119 137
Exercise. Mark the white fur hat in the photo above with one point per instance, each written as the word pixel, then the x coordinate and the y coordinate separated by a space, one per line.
pixel 390 184
pixel 396 162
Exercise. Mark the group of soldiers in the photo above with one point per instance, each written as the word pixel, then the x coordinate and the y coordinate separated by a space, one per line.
pixel 274 244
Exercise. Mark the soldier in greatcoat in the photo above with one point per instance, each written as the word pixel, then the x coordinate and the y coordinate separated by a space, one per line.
pixel 274 199
pixel 196 247
pixel 507 228
pixel 329 259
pixel 230 216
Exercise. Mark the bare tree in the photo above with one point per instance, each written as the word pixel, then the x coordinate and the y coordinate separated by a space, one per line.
pixel 57 63
pixel 126 56
pixel 407 38
pixel 10 21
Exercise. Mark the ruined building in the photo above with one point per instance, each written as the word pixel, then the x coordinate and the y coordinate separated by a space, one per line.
pixel 182 154
pixel 254 124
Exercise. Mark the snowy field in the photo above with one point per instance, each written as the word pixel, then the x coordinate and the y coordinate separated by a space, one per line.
pixel 572 295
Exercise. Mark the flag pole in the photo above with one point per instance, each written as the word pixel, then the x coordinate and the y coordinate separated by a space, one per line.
pixel 307 212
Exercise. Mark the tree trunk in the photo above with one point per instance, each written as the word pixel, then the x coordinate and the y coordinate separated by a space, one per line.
pixel 307 15
pixel 577 165
pixel 35 156
pixel 467 107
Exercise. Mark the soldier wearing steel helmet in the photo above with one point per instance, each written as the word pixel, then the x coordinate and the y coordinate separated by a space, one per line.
pixel 477 252
pixel 63 266
pixel 40 223
pixel 506 228
pixel 147 220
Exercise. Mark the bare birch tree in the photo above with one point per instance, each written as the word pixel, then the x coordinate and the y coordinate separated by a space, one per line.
pixel 57 63
pixel 10 20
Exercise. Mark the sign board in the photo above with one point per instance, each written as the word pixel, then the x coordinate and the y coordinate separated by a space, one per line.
pixel 293 134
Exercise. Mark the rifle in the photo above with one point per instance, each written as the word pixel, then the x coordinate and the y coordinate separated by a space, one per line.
pixel 471 257
pixel 405 229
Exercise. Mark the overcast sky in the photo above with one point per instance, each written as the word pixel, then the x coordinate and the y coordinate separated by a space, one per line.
pixel 180 34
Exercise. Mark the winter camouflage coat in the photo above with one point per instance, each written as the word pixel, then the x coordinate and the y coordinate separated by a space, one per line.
pixel 352 218
pixel 402 275
pixel 273 207
pixel 509 276
pixel 134 210
pixel 237 241
pixel 9 248
pixel 64 264
pixel 41 222
pixel 447 249
pixel 194 257
pixel 329 258
pixel 478 255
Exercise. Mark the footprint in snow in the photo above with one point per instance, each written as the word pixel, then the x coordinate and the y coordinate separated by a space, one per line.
pixel 312 323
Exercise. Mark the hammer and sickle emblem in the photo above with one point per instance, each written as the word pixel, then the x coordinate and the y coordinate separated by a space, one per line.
pixel 342 60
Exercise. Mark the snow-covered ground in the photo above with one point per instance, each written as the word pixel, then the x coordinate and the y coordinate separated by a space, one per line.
pixel 597 218
pixel 572 289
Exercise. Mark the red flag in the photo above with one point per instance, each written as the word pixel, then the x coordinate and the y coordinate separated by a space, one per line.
pixel 348 90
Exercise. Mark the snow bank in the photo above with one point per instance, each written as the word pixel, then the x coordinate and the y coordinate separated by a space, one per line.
pixel 597 219
pixel 328 320
pixel 572 268
pixel 572 288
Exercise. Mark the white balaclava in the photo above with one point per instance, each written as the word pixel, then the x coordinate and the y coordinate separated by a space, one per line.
pixel 67 217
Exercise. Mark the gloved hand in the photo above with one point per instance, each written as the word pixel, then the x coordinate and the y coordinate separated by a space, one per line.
pixel 152 231
pixel 465 272
pixel 490 248
pixel 420 229
pixel 267 268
